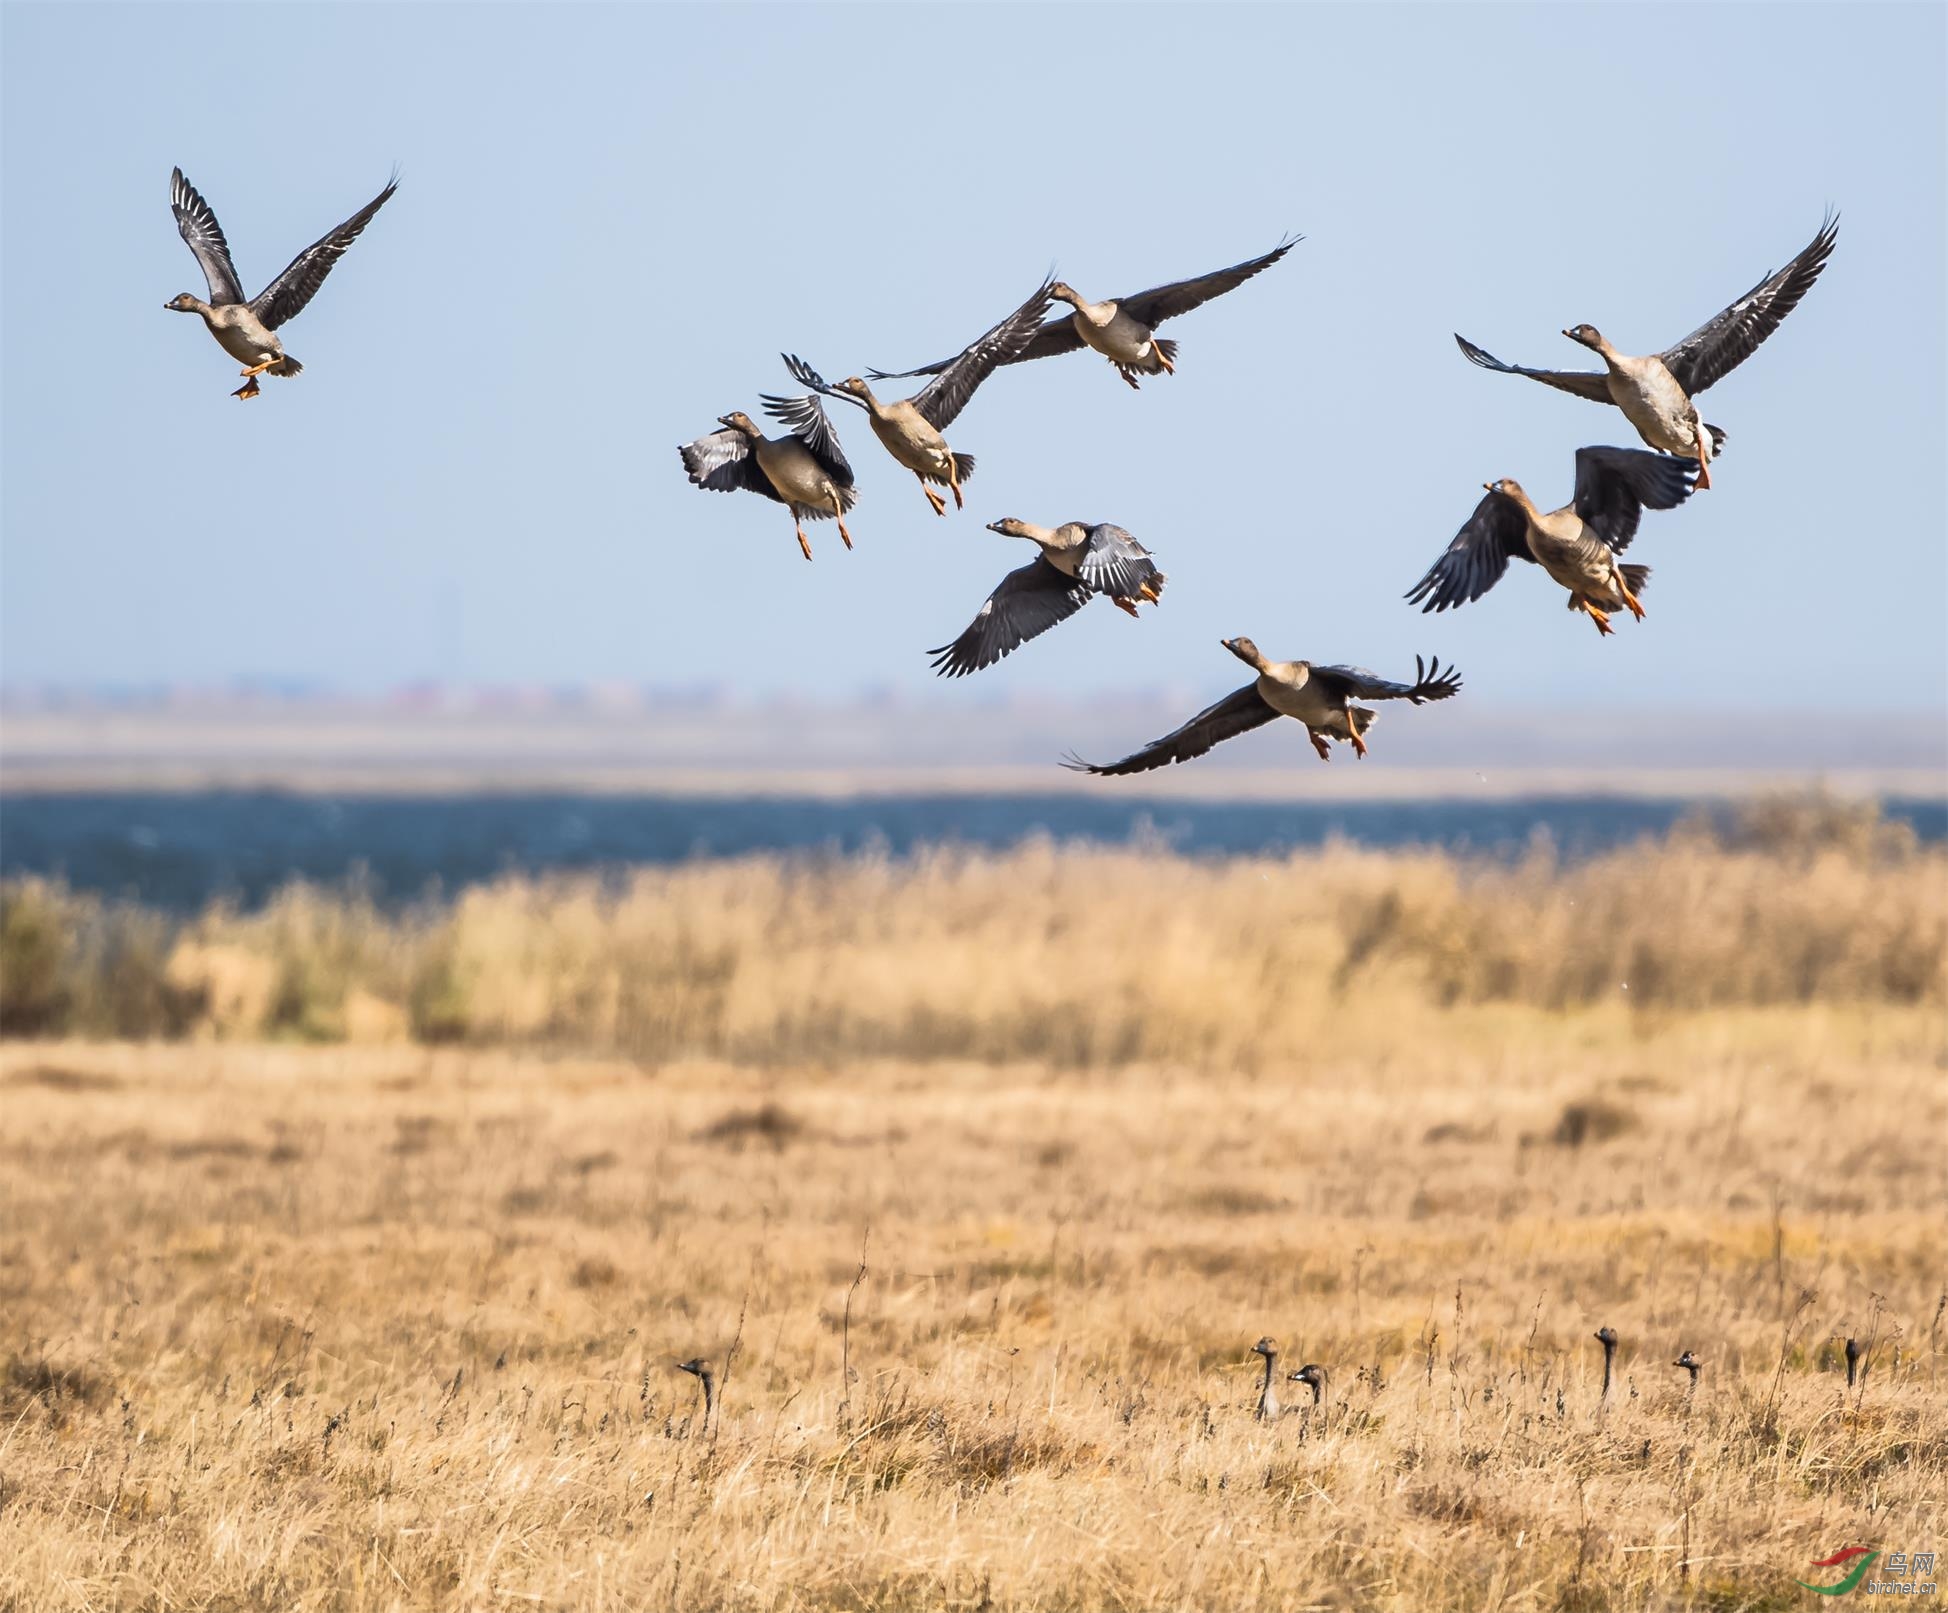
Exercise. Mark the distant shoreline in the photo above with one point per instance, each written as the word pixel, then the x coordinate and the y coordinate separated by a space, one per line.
pixel 868 751
pixel 33 777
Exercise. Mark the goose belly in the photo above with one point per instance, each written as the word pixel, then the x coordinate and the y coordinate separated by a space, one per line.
pixel 1305 702
pixel 244 339
pixel 916 445
pixel 1581 563
pixel 791 469
pixel 1656 405
pixel 1122 339
pixel 1067 561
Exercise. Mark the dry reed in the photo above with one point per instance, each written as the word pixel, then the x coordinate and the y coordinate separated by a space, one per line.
pixel 1081 957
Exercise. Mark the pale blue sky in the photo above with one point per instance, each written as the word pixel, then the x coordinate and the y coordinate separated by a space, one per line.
pixel 612 219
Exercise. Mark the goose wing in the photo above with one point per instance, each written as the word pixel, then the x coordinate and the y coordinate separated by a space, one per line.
pixel 1159 303
pixel 1151 307
pixel 1026 603
pixel 1729 337
pixel 1059 335
pixel 1478 555
pixel 943 398
pixel 1112 562
pixel 1614 486
pixel 1591 384
pixel 196 223
pixel 1431 682
pixel 809 423
pixel 723 463
pixel 805 375
pixel 1237 713
pixel 284 298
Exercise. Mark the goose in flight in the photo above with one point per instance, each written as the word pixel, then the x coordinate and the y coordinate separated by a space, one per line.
pixel 1076 561
pixel 1577 545
pixel 1655 392
pixel 245 329
pixel 1321 697
pixel 1123 329
pixel 804 470
pixel 912 428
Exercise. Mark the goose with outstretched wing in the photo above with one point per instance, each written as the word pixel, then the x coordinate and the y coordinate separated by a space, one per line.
pixel 912 429
pixel 1576 545
pixel 805 470
pixel 1077 561
pixel 1655 391
pixel 1123 329
pixel 246 329
pixel 1321 697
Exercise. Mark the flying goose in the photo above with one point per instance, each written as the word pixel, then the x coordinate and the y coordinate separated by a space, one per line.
pixel 1577 545
pixel 806 470
pixel 244 329
pixel 1123 329
pixel 1076 561
pixel 911 429
pixel 1655 392
pixel 1321 697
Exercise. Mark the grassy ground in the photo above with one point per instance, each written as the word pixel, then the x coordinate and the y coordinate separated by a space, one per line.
pixel 371 1328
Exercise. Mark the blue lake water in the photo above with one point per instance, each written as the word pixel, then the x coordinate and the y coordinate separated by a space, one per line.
pixel 179 851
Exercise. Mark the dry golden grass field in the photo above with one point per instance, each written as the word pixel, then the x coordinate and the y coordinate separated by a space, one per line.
pixel 365 1291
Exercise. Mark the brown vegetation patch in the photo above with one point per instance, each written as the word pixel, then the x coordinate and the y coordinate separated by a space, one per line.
pixel 1232 1199
pixel 527 1200
pixel 59 1390
pixel 60 1078
pixel 595 1271
pixel 769 1123
pixel 1591 1120
pixel 219 1147
pixel 415 1134
pixel 1485 1200
pixel 1447 1503
pixel 952 1446
pixel 1640 1082
pixel 1456 1131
